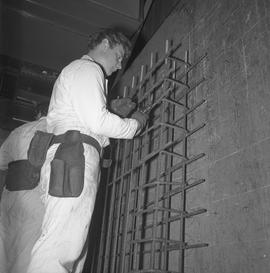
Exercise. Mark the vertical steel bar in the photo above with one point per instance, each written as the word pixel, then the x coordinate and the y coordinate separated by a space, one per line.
pixel 104 221
pixel 138 220
pixel 116 234
pixel 169 163
pixel 156 197
pixel 111 213
pixel 135 202
pixel 127 205
pixel 184 178
pixel 127 210
pixel 133 224
pixel 139 196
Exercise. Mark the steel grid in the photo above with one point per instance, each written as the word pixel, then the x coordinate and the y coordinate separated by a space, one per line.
pixel 137 237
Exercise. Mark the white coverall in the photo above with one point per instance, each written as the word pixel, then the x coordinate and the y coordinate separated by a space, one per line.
pixel 78 102
pixel 21 212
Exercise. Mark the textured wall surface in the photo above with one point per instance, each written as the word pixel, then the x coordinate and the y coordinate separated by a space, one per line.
pixel 236 37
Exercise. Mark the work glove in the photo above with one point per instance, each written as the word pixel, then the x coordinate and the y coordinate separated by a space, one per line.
pixel 122 106
pixel 142 119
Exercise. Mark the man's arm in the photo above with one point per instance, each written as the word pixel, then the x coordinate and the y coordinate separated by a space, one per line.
pixel 89 99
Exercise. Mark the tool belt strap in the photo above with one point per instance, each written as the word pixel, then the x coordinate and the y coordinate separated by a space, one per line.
pixel 85 139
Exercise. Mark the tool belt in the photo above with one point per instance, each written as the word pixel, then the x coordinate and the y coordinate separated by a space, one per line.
pixel 67 167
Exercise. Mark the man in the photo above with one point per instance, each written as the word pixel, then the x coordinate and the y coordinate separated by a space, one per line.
pixel 21 212
pixel 79 118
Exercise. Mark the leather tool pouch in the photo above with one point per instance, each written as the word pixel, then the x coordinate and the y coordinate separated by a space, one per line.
pixel 22 175
pixel 25 174
pixel 38 148
pixel 67 167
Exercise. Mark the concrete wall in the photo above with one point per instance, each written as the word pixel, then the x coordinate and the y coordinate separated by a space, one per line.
pixel 236 139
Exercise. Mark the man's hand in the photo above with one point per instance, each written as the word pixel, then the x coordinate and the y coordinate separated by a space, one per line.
pixel 142 119
pixel 122 107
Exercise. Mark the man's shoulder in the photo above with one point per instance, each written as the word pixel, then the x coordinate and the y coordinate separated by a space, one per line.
pixel 83 64
pixel 80 68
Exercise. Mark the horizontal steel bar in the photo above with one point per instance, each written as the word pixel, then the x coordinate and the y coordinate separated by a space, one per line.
pixel 196 129
pixel 181 188
pixel 174 102
pixel 187 246
pixel 173 126
pixel 196 245
pixel 141 252
pixel 153 271
pixel 171 244
pixel 149 240
pixel 152 209
pixel 176 217
pixel 169 193
pixel 195 212
pixel 156 183
pixel 173 154
pixel 175 246
pixel 178 82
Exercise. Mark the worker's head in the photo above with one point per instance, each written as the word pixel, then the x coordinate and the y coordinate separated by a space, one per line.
pixel 108 48
pixel 41 110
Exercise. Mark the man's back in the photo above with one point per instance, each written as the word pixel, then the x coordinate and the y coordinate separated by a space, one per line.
pixel 16 145
pixel 21 212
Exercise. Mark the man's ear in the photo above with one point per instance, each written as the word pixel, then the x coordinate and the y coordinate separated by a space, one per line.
pixel 105 44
